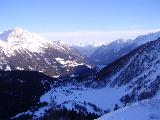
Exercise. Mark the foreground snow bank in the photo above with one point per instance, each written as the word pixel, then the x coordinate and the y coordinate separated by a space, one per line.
pixel 144 110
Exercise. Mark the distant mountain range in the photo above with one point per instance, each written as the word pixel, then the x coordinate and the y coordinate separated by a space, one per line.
pixel 106 54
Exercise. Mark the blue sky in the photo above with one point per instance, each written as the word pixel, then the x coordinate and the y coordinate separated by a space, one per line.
pixel 45 16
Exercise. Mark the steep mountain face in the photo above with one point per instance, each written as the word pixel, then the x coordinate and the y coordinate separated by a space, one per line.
pixel 106 54
pixel 22 50
pixel 134 77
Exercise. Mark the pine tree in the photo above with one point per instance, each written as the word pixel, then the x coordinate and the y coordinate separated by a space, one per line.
pixel 116 107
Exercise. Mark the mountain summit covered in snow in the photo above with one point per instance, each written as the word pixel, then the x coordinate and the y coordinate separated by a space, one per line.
pixel 23 50
pixel 17 39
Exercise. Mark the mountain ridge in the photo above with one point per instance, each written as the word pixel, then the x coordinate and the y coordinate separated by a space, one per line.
pixel 23 50
pixel 107 54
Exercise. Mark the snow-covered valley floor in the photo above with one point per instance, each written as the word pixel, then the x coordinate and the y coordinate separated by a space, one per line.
pixel 104 98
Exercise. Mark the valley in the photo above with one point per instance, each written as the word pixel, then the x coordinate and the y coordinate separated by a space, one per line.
pixel 61 81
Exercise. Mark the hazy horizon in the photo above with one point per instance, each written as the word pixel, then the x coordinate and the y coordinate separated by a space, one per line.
pixel 82 20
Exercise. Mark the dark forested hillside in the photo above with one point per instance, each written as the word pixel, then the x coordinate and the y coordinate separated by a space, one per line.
pixel 20 91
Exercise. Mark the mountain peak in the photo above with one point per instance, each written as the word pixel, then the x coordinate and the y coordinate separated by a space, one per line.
pixel 18 29
pixel 18 34
pixel 15 31
pixel 19 39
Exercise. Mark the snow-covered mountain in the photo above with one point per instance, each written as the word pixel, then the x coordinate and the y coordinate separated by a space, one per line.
pixel 23 50
pixel 106 54
pixel 110 52
pixel 132 78
pixel 142 39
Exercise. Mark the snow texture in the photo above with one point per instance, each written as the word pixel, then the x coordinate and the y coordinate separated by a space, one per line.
pixel 145 110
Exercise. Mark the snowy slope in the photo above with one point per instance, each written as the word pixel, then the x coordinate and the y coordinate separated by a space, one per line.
pixel 23 50
pixel 145 110
pixel 80 98
pixel 92 100
pixel 139 70
pixel 142 39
